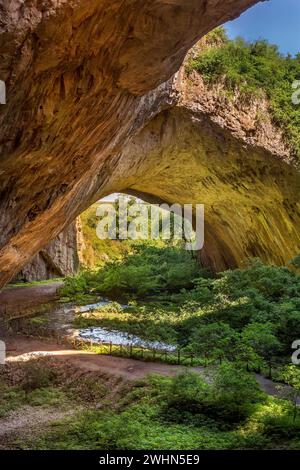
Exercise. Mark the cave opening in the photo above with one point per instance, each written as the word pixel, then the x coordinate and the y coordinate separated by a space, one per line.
pixel 118 222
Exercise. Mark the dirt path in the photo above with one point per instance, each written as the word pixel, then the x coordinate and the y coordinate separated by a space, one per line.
pixel 21 349
pixel 30 417
pixel 14 297
pixel 28 421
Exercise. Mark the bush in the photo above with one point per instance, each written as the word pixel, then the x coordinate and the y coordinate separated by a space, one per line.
pixel 228 399
pixel 148 270
pixel 234 392
pixel 36 376
pixel 215 339
pixel 256 68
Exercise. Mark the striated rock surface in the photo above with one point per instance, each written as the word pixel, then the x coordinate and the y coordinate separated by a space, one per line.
pixel 227 154
pixel 83 78
pixel 58 259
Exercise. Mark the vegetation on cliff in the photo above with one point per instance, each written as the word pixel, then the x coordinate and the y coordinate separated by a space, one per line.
pixel 97 252
pixel 254 67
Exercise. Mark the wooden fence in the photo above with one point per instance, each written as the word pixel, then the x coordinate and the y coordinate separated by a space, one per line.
pixel 179 356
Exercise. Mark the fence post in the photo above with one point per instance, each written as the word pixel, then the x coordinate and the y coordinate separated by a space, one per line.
pixel 192 360
pixel 153 353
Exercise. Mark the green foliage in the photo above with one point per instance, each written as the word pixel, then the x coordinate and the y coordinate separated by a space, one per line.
pixel 260 337
pixel 149 269
pixel 227 398
pixel 223 410
pixel 183 412
pixel 187 396
pixel 296 262
pixel 234 392
pixel 215 339
pixel 256 68
pixel 36 377
pixel 291 375
pixel 97 252
pixel 249 315
pixel 217 36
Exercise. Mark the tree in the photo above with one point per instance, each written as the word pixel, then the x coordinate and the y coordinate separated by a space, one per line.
pixel 234 391
pixel 291 375
pixel 260 337
pixel 213 340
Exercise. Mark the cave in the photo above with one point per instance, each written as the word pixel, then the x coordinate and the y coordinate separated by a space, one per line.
pixel 95 105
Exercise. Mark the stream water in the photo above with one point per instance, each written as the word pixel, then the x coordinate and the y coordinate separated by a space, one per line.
pixel 98 335
pixel 60 319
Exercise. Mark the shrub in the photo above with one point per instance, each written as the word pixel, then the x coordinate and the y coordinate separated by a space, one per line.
pixel 234 393
pixel 256 68
pixel 36 376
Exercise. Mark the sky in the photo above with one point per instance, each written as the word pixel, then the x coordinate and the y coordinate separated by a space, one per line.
pixel 278 21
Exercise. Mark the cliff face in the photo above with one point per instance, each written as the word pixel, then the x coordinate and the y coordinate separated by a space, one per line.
pixel 82 77
pixel 227 154
pixel 93 108
pixel 58 259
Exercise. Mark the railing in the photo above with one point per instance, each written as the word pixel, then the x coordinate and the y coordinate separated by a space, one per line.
pixel 179 356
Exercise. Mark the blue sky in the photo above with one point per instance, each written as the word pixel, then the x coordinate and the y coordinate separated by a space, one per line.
pixel 278 21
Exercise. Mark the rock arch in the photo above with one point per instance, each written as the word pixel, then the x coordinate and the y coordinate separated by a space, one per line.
pixel 82 78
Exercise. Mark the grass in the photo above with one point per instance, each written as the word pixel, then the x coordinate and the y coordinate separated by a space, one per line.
pixel 143 418
pixel 225 410
pixel 14 398
pixel 46 383
pixel 34 283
